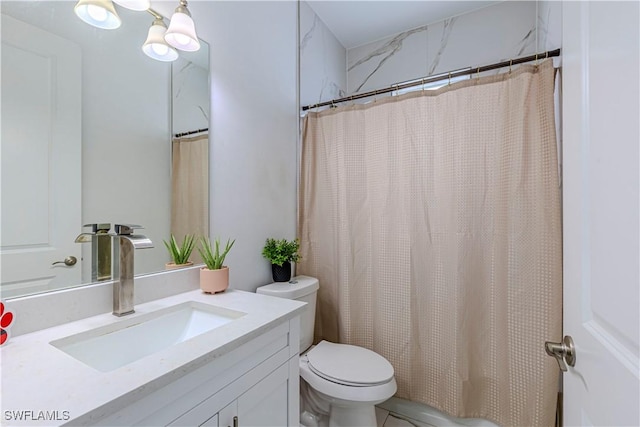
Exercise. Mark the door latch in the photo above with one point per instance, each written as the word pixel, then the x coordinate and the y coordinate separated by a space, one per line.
pixel 564 352
pixel 68 261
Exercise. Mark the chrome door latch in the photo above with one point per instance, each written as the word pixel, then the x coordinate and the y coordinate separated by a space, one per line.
pixel 564 352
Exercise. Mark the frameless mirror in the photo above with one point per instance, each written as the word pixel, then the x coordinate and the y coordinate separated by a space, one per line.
pixel 87 124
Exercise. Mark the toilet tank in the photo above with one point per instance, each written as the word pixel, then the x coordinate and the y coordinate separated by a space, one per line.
pixel 299 288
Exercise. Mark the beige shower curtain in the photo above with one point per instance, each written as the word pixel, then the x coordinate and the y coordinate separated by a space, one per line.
pixel 190 188
pixel 432 221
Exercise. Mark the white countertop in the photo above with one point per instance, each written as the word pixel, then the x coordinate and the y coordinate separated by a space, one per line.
pixel 36 376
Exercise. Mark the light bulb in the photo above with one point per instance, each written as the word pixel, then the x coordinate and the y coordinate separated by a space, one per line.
pixel 155 46
pixel 99 14
pixel 160 49
pixel 181 39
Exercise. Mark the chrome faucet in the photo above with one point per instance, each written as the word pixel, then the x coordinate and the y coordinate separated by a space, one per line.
pixel 100 240
pixel 123 251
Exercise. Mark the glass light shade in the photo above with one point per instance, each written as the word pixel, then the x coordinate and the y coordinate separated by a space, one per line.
pixel 182 33
pixel 156 47
pixel 138 5
pixel 99 13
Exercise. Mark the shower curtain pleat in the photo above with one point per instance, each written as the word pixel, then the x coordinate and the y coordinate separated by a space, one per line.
pixel 432 221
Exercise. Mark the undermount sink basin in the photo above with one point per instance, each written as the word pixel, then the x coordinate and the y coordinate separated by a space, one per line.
pixel 113 346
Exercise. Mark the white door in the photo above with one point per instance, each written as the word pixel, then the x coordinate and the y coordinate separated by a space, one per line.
pixel 601 218
pixel 41 159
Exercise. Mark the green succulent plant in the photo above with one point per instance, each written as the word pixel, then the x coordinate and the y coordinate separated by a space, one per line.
pixel 180 253
pixel 212 257
pixel 281 251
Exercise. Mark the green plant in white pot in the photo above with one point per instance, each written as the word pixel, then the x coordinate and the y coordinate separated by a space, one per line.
pixel 180 253
pixel 214 276
pixel 281 253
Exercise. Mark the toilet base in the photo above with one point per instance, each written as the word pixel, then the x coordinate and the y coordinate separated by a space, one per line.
pixel 352 416
pixel 340 417
pixel 320 410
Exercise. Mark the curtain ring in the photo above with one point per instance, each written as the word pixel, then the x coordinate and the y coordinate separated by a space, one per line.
pixel 423 84
pixel 478 73
pixel 510 64
pixel 351 99
pixel 536 59
pixel 546 54
pixel 449 78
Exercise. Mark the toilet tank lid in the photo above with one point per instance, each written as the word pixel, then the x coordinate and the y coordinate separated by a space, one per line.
pixel 297 287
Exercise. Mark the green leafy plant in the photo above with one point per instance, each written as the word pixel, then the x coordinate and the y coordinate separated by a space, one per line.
pixel 180 253
pixel 281 251
pixel 213 258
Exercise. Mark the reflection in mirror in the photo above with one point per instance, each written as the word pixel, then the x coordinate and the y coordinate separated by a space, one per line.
pixel 86 138
pixel 190 147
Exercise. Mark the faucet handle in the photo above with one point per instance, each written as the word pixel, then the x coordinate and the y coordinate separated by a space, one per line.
pixel 126 229
pixel 100 228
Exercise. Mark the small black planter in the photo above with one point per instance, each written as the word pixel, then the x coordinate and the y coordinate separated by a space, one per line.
pixel 281 273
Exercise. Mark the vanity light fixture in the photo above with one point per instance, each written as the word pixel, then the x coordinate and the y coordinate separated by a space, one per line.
pixel 137 5
pixel 99 13
pixel 182 31
pixel 156 47
pixel 161 43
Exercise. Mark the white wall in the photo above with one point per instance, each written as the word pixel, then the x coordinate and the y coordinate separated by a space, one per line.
pixel 253 128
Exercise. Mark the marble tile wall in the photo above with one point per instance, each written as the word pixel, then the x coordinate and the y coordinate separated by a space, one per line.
pixel 507 30
pixel 190 95
pixel 549 25
pixel 391 60
pixel 322 60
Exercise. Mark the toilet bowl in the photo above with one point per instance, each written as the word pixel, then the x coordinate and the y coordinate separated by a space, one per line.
pixel 341 383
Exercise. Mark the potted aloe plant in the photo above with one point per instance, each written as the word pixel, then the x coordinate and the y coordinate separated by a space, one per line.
pixel 214 277
pixel 281 253
pixel 180 253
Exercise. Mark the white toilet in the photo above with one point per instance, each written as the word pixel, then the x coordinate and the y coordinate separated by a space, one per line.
pixel 340 383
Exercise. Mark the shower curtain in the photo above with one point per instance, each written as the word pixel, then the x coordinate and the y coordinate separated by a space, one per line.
pixel 190 188
pixel 432 221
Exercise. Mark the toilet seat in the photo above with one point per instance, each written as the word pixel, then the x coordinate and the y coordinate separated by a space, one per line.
pixel 346 395
pixel 349 365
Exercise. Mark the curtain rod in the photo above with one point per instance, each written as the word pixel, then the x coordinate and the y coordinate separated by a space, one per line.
pixel 191 132
pixel 442 76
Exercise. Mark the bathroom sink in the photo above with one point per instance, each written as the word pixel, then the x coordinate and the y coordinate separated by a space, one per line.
pixel 112 346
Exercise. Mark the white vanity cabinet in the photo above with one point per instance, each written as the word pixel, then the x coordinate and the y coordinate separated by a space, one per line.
pixel 264 404
pixel 257 383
